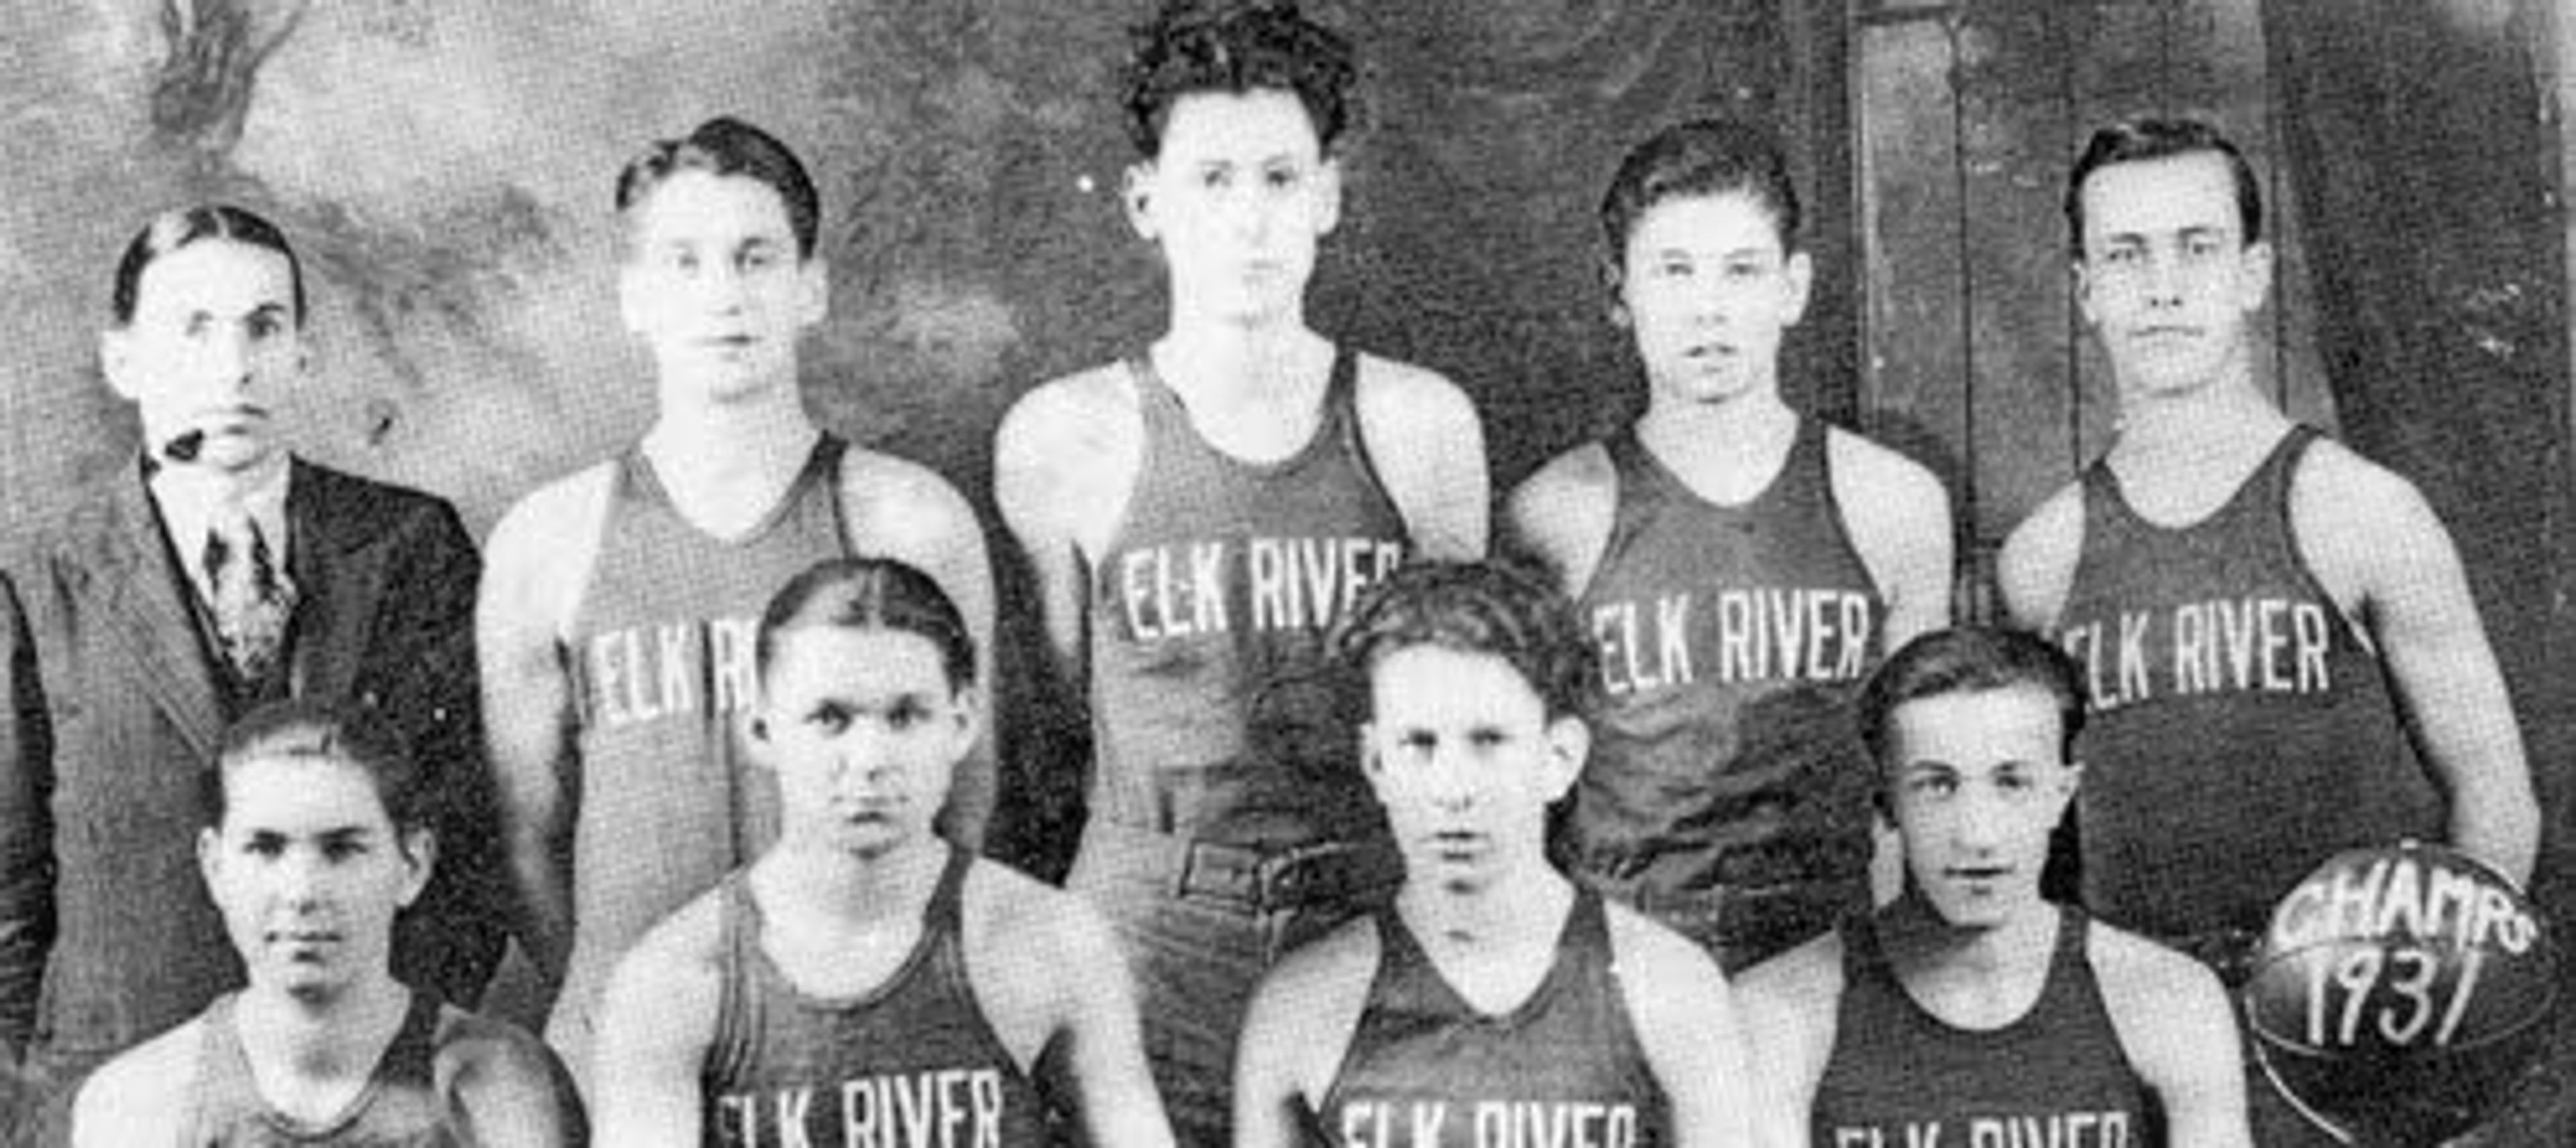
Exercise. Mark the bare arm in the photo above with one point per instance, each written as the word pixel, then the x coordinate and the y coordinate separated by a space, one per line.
pixel 1560 516
pixel 528 719
pixel 903 511
pixel 1105 1043
pixel 656 1023
pixel 1685 1018
pixel 513 1093
pixel 1788 1005
pixel 2368 529
pixel 1063 461
pixel 137 1098
pixel 1296 1032
pixel 2037 565
pixel 1899 518
pixel 1429 448
pixel 2174 1021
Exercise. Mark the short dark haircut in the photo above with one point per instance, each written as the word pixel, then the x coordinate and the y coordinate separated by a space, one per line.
pixel 727 146
pixel 1700 158
pixel 1475 608
pixel 1237 46
pixel 2141 140
pixel 1969 660
pixel 172 230
pixel 316 730
pixel 868 594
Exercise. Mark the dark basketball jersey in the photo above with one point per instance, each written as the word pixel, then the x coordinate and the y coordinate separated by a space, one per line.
pixel 2242 730
pixel 662 667
pixel 2055 1077
pixel 912 1064
pixel 409 1104
pixel 1426 1070
pixel 1730 636
pixel 1213 713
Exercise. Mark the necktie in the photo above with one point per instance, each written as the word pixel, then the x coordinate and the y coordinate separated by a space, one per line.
pixel 251 597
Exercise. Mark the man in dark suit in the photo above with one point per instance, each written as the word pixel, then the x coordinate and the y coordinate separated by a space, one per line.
pixel 216 574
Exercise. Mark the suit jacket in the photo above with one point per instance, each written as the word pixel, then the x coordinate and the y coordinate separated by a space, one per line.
pixel 107 934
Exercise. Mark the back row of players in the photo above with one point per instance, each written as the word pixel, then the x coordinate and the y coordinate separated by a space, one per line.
pixel 2266 632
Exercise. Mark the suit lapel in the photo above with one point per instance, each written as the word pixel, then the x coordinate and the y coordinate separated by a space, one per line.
pixel 146 618
pixel 339 570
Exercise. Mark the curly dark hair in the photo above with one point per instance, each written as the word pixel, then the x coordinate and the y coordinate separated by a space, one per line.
pixel 1237 46
pixel 728 146
pixel 1476 607
pixel 1969 660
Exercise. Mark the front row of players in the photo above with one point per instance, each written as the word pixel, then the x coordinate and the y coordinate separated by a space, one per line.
pixel 864 977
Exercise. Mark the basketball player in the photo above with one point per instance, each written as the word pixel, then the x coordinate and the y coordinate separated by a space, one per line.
pixel 616 622
pixel 1199 513
pixel 1740 564
pixel 863 976
pixel 213 572
pixel 1493 995
pixel 2261 615
pixel 1969 1010
pixel 2274 631
pixel 316 832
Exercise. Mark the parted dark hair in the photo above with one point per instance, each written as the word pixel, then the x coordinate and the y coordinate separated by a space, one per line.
pixel 1236 46
pixel 1696 158
pixel 318 730
pixel 174 229
pixel 868 594
pixel 1477 608
pixel 2140 140
pixel 727 146
pixel 1969 660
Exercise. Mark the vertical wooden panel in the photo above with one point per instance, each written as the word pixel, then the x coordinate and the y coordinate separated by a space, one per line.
pixel 2013 124
pixel 1916 318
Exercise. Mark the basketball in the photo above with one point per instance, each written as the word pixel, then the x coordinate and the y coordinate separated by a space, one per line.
pixel 2400 994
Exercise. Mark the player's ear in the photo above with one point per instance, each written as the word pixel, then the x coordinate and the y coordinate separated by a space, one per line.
pixel 1798 282
pixel 632 310
pixel 2083 290
pixel 116 361
pixel 1138 197
pixel 967 711
pixel 1569 742
pixel 813 288
pixel 1328 195
pixel 1614 284
pixel 2256 283
pixel 419 848
pixel 210 854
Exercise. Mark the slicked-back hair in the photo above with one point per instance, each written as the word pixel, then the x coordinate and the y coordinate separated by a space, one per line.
pixel 1474 608
pixel 311 729
pixel 2141 140
pixel 1701 158
pixel 728 146
pixel 868 594
pixel 172 230
pixel 1235 47
pixel 1969 660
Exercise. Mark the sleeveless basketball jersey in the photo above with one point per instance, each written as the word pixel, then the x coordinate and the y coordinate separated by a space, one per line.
pixel 1730 638
pixel 404 1106
pixel 2242 731
pixel 1426 1070
pixel 912 1064
pixel 662 667
pixel 1901 1078
pixel 1214 716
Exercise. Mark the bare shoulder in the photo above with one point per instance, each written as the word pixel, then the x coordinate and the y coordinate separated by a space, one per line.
pixel 2037 563
pixel 2348 511
pixel 1877 470
pixel 1414 396
pixel 883 492
pixel 534 526
pixel 1655 961
pixel 681 954
pixel 1560 515
pixel 1042 927
pixel 137 1096
pixel 1804 983
pixel 2169 1010
pixel 1306 1008
pixel 1063 420
pixel 482 1057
